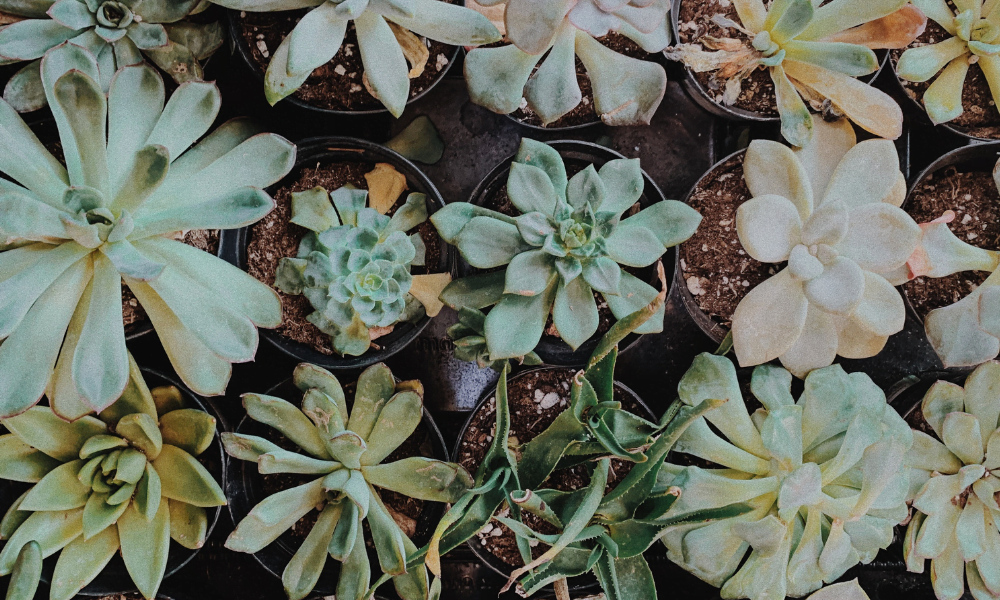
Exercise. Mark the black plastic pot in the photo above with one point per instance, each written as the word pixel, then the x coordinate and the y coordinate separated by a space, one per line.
pixel 552 350
pixel 244 489
pixel 114 579
pixel 331 150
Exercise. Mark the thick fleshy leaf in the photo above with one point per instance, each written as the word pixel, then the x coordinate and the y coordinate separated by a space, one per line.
pixel 769 227
pixel 58 490
pixel 24 91
pixel 396 421
pixel 387 536
pixel 850 59
pixel 634 245
pixel 306 565
pixel 98 515
pixel 447 23
pixel 880 237
pixel 421 478
pixel 41 429
pixel 942 399
pixel 546 158
pixel 634 295
pixel 961 433
pixel 629 102
pixel 190 429
pixel 496 76
pixel 188 524
pixel 145 546
pixel 796 120
pixel 881 310
pixel 52 531
pixel 487 243
pixel 186 117
pixel 274 515
pixel 924 62
pixel 866 175
pixel 532 26
pixel 25 160
pixel 375 388
pixel 574 312
pixel 100 363
pixel 839 15
pixel 26 574
pixel 31 38
pixel 770 168
pixel 185 479
pixel 529 273
pixel 385 65
pixel 21 462
pixel 141 431
pixel 82 561
pixel 838 290
pixel 82 129
pixel 553 90
pixel 356 574
pixel 530 189
pixel 769 320
pixel 515 325
pixel 671 221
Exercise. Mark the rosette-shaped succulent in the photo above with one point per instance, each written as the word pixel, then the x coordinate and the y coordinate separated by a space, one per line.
pixel 832 212
pixel 569 242
pixel 73 233
pixel 344 450
pixel 824 475
pixel 627 91
pixel 126 481
pixel 469 335
pixel 117 32
pixel 386 41
pixel 814 53
pixel 955 505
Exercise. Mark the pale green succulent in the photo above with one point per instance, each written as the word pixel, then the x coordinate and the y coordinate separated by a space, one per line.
pixel 469 335
pixel 569 241
pixel 132 182
pixel 344 450
pixel 382 26
pixel 125 482
pixel 117 32
pixel 824 475
pixel 627 91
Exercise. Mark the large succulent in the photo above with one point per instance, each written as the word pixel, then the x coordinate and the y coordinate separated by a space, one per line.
pixel 345 454
pixel 831 211
pixel 386 40
pixel 955 506
pixel 569 242
pixel 813 53
pixel 73 233
pixel 627 91
pixel 824 475
pixel 127 481
pixel 117 32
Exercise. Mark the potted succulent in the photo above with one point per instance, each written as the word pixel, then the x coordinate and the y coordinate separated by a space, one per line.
pixel 564 62
pixel 813 56
pixel 73 233
pixel 355 57
pixel 109 493
pixel 547 243
pixel 359 464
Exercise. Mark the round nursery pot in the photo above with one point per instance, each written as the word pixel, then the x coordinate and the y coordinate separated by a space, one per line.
pixel 114 578
pixel 492 193
pixel 246 487
pixel 533 407
pixel 331 162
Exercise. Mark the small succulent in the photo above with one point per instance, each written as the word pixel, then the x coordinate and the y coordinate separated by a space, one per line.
pixel 132 182
pixel 386 40
pixel 954 488
pixel 824 476
pixel 469 335
pixel 813 53
pixel 344 450
pixel 832 212
pixel 974 33
pixel 627 91
pixel 126 481
pixel 117 32
pixel 569 241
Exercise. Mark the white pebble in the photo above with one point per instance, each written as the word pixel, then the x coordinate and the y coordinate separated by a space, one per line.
pixel 539 395
pixel 340 70
pixel 550 400
pixel 487 529
pixel 442 61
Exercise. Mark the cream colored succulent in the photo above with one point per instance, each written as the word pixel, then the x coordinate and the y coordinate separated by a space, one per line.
pixel 831 210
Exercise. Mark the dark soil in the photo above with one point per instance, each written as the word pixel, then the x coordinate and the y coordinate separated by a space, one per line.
pixel 916 421
pixel 275 237
pixel 976 202
pixel 716 269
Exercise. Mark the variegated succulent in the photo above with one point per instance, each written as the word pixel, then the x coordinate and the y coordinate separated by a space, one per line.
pixel 814 52
pixel 117 32
pixel 127 481
pixel 832 211
pixel 344 450
pixel 824 476
pixel 131 183
pixel 627 91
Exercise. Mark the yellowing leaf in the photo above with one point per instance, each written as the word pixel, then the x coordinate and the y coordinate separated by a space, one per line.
pixel 385 184
pixel 428 288
pixel 414 49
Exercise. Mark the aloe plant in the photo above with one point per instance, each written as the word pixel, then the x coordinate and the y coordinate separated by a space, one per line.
pixel 557 32
pixel 117 33
pixel 831 211
pixel 386 40
pixel 569 242
pixel 824 476
pixel 73 233
pixel 127 481
pixel 814 54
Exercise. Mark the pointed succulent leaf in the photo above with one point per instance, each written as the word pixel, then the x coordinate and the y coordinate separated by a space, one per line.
pixel 303 571
pixel 189 429
pixel 141 431
pixel 188 524
pixel 145 546
pixel 41 429
pixel 183 478
pixel 273 515
pixel 26 574
pixel 287 419
pixel 21 462
pixel 53 530
pixel 375 387
pixel 307 376
pixel 421 478
pixel 59 490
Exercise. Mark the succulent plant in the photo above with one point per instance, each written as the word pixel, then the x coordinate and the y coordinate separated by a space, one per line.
pixel 386 40
pixel 499 78
pixel 131 183
pixel 813 53
pixel 117 32
pixel 846 590
pixel 824 476
pixel 974 32
pixel 345 451
pixel 569 242
pixel 831 211
pixel 953 487
pixel 469 335
pixel 126 481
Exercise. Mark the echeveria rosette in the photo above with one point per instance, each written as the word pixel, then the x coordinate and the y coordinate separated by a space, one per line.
pixel 569 242
pixel 824 475
pixel 127 481
pixel 132 183
pixel 562 31
pixel 955 505
pixel 344 451
pixel 317 38
pixel 831 211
